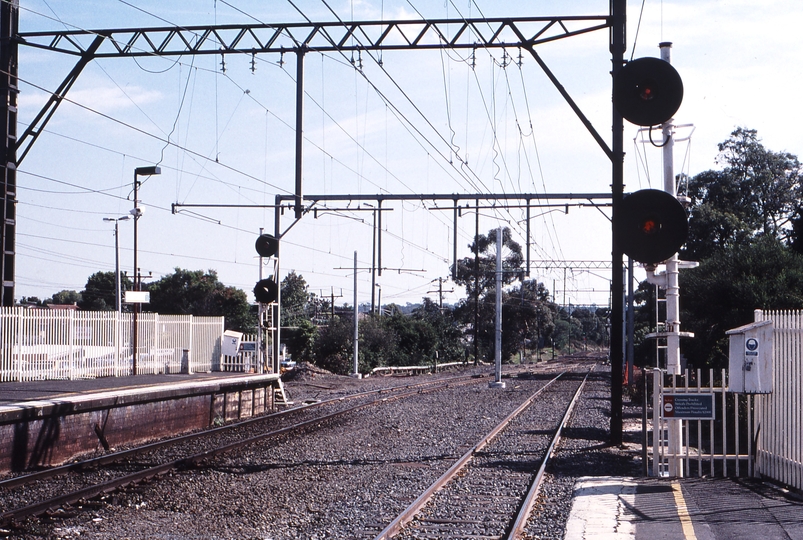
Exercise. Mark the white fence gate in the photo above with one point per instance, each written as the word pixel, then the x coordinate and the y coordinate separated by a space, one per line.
pixel 718 447
pixel 758 434
pixel 38 344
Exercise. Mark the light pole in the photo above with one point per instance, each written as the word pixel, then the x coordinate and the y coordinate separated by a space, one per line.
pixel 117 303
pixel 137 212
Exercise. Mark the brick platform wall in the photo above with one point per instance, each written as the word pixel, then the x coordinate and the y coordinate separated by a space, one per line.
pixel 59 432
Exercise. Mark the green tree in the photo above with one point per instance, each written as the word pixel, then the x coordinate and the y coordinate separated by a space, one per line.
pixel 188 292
pixel 298 330
pixel 478 275
pixel 743 220
pixel 64 297
pixel 725 289
pixel 448 342
pixel 756 194
pixel 333 349
pixel 295 298
pixel 100 291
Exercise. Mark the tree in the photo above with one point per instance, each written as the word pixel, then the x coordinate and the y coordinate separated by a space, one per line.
pixel 64 297
pixel 527 317
pixel 187 292
pixel 100 291
pixel 334 346
pixel 298 330
pixel 725 289
pixel 743 218
pixel 478 275
pixel 755 195
pixel 295 297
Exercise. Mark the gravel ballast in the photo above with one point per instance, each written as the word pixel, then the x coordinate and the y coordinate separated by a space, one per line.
pixel 349 476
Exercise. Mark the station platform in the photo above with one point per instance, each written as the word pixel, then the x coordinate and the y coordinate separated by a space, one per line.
pixel 618 508
pixel 46 423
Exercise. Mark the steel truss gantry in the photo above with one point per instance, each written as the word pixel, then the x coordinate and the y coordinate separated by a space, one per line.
pixel 300 38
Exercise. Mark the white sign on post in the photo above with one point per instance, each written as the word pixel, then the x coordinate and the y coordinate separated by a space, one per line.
pixel 137 297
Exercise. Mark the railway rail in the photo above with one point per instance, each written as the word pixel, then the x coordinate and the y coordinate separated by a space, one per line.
pixel 491 490
pixel 82 480
pixel 324 451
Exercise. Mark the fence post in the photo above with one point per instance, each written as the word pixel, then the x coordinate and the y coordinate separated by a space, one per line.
pixel 189 348
pixel 18 342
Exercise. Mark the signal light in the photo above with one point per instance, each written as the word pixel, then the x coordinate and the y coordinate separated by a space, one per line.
pixel 647 91
pixel 267 245
pixel 651 225
pixel 266 291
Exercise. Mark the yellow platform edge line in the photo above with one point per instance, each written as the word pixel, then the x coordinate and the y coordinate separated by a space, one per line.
pixel 683 512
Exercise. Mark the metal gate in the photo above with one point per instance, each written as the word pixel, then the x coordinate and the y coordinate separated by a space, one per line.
pixel 721 446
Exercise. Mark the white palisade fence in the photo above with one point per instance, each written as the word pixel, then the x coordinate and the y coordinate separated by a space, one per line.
pixel 38 344
pixel 779 415
pixel 753 434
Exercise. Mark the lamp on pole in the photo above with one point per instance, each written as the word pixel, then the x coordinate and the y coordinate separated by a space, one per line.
pixel 117 302
pixel 137 212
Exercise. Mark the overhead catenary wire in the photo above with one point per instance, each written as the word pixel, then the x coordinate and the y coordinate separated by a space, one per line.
pixel 358 139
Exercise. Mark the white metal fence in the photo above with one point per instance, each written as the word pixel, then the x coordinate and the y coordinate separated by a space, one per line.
pixel 758 434
pixel 718 447
pixel 779 415
pixel 40 344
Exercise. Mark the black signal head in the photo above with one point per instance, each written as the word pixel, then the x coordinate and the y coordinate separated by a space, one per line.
pixel 651 226
pixel 267 245
pixel 647 91
pixel 266 291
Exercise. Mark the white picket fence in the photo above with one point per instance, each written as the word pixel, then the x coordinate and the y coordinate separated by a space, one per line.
pixel 779 415
pixel 754 435
pixel 38 344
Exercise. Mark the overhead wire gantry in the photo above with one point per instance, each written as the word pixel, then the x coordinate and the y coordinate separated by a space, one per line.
pixel 299 39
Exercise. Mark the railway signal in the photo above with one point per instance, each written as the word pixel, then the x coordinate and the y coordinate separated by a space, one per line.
pixel 647 91
pixel 267 245
pixel 651 225
pixel 266 291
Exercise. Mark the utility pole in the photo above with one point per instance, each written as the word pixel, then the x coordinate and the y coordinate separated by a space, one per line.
pixel 497 383
pixel 440 292
pixel 477 284
pixel 356 372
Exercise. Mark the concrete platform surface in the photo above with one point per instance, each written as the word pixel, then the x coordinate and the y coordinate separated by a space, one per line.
pixel 21 392
pixel 616 508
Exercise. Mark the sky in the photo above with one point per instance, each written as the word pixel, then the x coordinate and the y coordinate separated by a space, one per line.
pixel 419 122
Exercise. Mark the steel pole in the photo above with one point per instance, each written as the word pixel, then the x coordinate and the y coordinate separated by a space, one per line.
pixel 356 372
pixel 618 44
pixel 672 288
pixel 498 318
pixel 118 305
pixel 135 331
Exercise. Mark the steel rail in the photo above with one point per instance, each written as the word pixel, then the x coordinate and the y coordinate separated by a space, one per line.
pixel 89 492
pixel 409 513
pixel 131 452
pixel 523 516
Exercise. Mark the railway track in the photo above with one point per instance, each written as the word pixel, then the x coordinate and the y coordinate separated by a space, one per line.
pixel 491 490
pixel 70 484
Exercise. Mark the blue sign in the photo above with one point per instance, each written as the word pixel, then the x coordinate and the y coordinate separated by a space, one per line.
pixel 688 406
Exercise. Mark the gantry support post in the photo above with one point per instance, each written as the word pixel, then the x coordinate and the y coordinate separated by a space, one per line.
pixel 9 21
